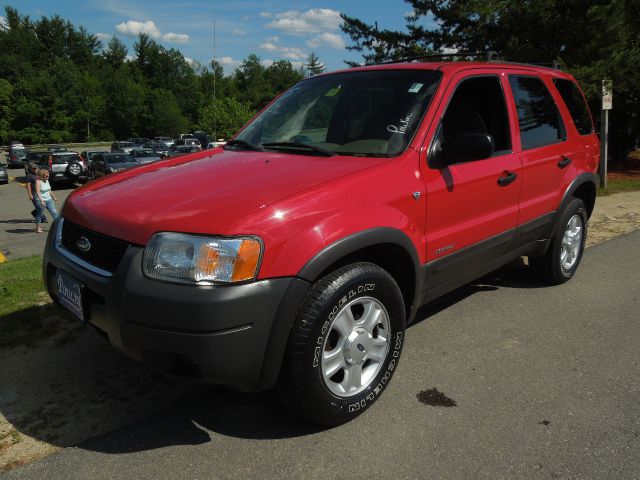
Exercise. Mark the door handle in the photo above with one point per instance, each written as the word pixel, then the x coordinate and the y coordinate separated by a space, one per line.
pixel 564 162
pixel 507 178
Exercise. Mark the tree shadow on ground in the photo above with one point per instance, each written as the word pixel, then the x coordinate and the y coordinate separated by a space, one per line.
pixel 65 385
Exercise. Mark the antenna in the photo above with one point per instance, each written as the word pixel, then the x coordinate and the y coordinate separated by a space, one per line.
pixel 215 120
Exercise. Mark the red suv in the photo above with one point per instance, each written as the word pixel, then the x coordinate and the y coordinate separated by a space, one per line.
pixel 295 257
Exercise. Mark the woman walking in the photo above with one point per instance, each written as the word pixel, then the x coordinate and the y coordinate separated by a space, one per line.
pixel 45 195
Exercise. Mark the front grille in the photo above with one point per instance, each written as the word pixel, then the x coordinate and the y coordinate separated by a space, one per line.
pixel 105 252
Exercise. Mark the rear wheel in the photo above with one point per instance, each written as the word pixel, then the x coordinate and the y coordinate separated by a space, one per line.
pixel 74 169
pixel 344 345
pixel 563 256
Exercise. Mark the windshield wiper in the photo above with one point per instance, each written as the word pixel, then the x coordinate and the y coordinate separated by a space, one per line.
pixel 242 144
pixel 296 145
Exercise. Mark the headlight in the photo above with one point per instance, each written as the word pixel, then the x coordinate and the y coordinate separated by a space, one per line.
pixel 178 257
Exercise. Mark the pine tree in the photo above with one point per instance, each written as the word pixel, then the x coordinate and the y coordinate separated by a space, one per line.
pixel 313 65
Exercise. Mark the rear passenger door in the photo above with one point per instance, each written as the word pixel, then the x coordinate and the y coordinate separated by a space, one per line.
pixel 546 152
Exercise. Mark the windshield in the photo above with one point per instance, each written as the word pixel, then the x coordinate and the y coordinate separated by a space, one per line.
pixel 370 113
pixel 120 159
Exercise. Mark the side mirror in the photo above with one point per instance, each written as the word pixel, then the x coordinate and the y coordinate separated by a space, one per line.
pixel 466 147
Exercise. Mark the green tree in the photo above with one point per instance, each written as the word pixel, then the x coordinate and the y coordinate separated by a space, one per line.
pixel 313 65
pixel 224 117
pixel 6 90
pixel 593 40
pixel 116 53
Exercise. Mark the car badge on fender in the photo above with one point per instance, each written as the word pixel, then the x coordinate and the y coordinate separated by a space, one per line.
pixel 83 244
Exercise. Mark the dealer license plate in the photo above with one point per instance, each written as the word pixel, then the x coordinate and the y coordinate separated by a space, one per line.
pixel 70 294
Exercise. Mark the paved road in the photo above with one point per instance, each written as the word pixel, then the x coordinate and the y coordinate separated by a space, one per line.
pixel 17 231
pixel 545 381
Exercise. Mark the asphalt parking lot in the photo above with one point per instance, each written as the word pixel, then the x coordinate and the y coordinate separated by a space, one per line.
pixel 532 382
pixel 17 230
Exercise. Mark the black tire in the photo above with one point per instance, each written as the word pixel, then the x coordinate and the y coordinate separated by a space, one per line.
pixel 302 386
pixel 549 267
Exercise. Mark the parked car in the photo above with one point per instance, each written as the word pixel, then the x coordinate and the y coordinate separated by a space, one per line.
pixel 158 147
pixel 15 156
pixel 14 144
pixel 57 148
pixel 139 141
pixel 168 141
pixel 122 147
pixel 62 165
pixel 107 163
pixel 296 257
pixel 4 176
pixel 177 150
pixel 88 155
pixel 193 142
pixel 202 137
pixel 219 143
pixel 145 155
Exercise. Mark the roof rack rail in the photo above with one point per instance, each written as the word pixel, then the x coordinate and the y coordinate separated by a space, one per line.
pixel 490 56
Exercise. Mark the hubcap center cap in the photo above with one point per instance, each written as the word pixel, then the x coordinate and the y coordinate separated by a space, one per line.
pixel 356 346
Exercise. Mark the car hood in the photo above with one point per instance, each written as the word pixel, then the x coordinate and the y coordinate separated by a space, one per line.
pixel 205 192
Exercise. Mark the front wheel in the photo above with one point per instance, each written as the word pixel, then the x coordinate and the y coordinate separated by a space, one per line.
pixel 563 256
pixel 344 346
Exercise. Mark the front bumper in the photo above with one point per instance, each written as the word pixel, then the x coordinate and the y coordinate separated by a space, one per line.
pixel 231 334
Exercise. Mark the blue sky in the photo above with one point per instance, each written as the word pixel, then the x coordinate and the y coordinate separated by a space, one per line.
pixel 273 30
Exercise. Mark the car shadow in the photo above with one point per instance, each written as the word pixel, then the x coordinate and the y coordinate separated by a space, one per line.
pixel 82 392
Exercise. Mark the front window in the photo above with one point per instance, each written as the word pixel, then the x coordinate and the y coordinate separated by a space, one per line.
pixel 367 113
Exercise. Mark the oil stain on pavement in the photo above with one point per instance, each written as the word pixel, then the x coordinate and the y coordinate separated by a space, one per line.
pixel 435 398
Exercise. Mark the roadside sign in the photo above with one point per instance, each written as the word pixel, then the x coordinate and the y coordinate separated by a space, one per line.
pixel 607 95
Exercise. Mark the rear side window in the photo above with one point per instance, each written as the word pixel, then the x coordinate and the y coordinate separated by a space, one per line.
pixel 538 117
pixel 574 100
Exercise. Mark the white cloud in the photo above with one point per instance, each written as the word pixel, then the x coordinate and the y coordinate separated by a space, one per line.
pixel 274 39
pixel 245 18
pixel 266 63
pixel 3 23
pixel 266 14
pixel 189 60
pixel 268 46
pixel 129 58
pixel 239 32
pixel 228 62
pixel 297 65
pixel 103 37
pixel 312 21
pixel 332 40
pixel 293 53
pixel 133 28
pixel 176 37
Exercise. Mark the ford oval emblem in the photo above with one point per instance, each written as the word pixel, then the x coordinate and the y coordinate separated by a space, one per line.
pixel 83 244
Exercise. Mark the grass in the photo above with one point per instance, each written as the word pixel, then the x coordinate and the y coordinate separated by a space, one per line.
pixel 27 314
pixel 618 185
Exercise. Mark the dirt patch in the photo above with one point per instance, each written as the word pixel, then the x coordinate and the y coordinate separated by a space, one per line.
pixel 614 215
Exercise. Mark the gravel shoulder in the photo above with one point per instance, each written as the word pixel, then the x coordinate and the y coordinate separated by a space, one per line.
pixel 74 386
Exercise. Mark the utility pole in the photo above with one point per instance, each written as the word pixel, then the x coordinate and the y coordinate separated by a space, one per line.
pixel 607 104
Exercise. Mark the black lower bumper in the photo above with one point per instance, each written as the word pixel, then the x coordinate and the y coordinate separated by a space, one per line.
pixel 233 335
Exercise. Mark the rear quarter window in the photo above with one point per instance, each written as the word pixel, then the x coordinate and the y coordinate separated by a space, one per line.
pixel 576 105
